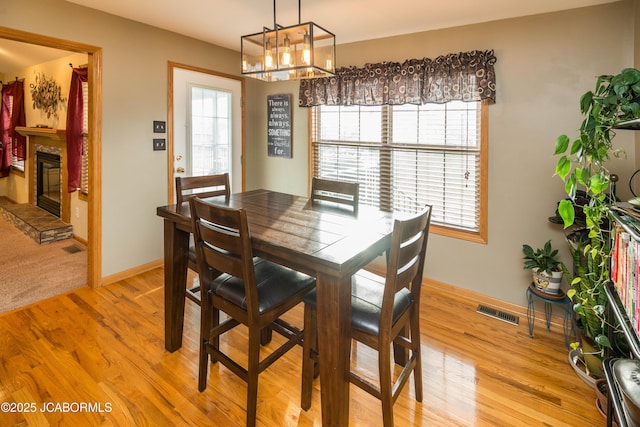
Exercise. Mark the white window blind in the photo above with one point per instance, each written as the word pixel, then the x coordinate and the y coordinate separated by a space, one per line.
pixel 406 156
pixel 18 164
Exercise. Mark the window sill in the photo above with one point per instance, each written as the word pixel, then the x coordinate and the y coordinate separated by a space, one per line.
pixel 476 237
pixel 15 171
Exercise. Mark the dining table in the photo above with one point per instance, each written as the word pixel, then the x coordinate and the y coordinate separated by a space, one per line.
pixel 323 241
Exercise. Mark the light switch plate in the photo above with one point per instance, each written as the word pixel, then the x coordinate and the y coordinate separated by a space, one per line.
pixel 159 126
pixel 159 144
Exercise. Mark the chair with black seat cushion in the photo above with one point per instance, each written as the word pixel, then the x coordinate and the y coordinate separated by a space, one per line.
pixel 251 291
pixel 335 193
pixel 200 186
pixel 384 312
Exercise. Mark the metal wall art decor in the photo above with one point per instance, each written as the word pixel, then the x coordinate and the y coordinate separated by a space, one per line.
pixel 46 95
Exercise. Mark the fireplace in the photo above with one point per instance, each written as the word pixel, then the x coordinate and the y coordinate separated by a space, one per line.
pixel 48 182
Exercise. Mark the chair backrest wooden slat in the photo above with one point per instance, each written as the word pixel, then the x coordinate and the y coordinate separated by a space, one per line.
pixel 226 243
pixel 340 192
pixel 202 187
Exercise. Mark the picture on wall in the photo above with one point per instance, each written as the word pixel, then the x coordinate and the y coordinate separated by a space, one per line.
pixel 279 126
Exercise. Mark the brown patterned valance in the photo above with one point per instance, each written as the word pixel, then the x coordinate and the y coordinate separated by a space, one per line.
pixel 464 76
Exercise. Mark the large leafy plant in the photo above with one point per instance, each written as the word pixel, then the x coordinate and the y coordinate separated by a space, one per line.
pixel 582 166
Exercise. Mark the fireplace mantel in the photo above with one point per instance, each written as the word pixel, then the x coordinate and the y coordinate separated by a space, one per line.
pixel 50 133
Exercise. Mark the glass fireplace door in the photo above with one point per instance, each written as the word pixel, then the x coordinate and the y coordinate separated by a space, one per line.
pixel 48 182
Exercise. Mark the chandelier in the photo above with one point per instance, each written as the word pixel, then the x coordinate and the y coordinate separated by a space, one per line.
pixel 300 51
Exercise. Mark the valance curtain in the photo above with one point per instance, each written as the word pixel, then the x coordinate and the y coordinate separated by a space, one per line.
pixel 12 115
pixel 464 76
pixel 75 111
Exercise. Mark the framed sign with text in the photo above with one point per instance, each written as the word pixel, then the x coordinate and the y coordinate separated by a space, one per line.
pixel 279 126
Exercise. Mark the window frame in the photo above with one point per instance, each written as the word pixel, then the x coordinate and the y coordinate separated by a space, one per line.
pixel 479 236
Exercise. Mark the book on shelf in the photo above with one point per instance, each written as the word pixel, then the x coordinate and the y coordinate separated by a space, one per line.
pixel 627 214
pixel 625 272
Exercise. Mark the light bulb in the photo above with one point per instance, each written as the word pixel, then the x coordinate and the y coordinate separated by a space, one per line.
pixel 306 53
pixel 268 58
pixel 286 54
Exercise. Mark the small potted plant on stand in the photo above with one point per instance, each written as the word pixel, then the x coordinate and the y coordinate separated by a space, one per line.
pixel 545 266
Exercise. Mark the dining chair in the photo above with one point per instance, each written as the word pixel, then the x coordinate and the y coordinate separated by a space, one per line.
pixel 385 312
pixel 200 186
pixel 335 192
pixel 252 291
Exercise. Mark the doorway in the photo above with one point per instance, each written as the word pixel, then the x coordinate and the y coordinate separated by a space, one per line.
pixel 94 141
pixel 196 126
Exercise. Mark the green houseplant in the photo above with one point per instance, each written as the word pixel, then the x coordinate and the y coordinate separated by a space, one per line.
pixel 545 266
pixel 582 166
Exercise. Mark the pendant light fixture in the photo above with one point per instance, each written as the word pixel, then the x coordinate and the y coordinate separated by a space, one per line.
pixel 300 51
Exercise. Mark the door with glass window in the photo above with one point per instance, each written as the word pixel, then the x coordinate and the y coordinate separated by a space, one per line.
pixel 207 134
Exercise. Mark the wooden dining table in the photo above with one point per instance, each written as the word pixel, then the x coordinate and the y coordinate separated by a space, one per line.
pixel 325 242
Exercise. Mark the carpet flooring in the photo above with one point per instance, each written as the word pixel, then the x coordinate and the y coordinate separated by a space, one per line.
pixel 30 272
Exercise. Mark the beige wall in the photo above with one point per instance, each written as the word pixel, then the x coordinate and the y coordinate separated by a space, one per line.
pixel 287 175
pixel 544 64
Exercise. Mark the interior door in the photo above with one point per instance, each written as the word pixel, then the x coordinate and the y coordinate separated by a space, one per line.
pixel 207 133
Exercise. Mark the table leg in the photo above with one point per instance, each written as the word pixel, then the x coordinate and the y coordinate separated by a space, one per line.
pixel 265 336
pixel 334 346
pixel 176 248
pixel 400 352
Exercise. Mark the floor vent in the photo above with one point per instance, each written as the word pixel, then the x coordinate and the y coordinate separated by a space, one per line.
pixel 497 314
pixel 72 249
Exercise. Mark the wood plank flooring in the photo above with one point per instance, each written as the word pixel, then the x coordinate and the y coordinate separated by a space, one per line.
pixel 97 358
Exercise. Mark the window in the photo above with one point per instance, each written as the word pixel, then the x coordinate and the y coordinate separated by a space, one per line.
pixel 210 131
pixel 16 162
pixel 406 156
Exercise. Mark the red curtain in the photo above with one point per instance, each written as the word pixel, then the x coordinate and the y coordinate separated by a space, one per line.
pixel 75 112
pixel 10 117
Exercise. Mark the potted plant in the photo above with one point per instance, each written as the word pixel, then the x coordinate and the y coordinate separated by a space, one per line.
pixel 545 266
pixel 582 167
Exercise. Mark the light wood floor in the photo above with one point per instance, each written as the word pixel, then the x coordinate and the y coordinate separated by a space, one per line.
pixel 104 349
